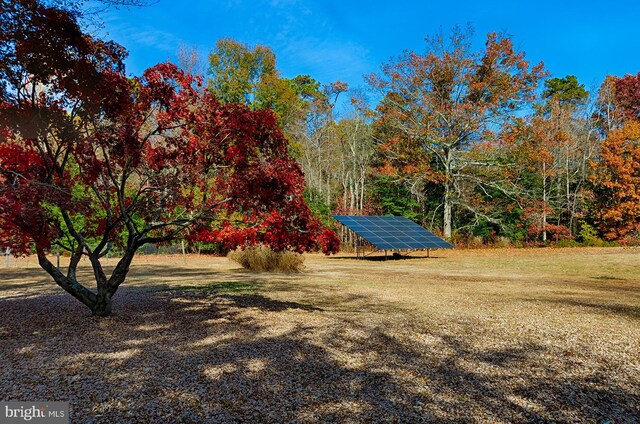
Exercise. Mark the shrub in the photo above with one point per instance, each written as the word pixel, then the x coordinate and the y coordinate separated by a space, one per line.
pixel 567 243
pixel 263 259
pixel 503 242
pixel 475 242
pixel 589 235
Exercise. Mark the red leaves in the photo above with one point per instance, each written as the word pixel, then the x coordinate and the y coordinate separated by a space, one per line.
pixel 627 95
pixel 280 231
pixel 23 219
pixel 228 235
pixel 20 162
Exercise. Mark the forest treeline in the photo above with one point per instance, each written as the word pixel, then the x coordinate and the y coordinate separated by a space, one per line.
pixel 477 145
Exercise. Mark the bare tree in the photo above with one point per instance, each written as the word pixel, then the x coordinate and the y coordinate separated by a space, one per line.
pixel 190 60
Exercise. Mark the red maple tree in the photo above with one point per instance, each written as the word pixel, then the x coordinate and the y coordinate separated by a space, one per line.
pixel 90 158
pixel 627 96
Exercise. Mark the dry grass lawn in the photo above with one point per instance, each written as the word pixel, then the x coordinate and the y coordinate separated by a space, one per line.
pixel 547 335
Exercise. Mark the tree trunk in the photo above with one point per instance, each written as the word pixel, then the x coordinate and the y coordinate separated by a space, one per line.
pixel 544 202
pixel 68 283
pixel 448 200
pixel 447 211
pixel 102 306
pixel 99 303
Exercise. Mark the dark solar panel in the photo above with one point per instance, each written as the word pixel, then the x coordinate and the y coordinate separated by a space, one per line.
pixel 392 232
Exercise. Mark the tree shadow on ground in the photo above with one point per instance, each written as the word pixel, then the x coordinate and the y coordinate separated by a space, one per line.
pixel 20 279
pixel 167 357
pixel 602 307
pixel 391 257
pixel 265 303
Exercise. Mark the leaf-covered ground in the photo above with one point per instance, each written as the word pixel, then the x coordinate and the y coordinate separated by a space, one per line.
pixel 470 336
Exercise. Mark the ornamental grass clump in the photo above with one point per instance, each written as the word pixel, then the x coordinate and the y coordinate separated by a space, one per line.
pixel 264 259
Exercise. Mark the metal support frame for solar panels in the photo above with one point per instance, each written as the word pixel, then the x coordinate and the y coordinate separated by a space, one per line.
pixel 360 253
pixel 360 250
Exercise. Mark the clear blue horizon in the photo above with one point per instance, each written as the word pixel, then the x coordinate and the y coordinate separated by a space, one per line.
pixel 343 40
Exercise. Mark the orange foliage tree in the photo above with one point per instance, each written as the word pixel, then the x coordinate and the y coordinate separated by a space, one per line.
pixel 617 183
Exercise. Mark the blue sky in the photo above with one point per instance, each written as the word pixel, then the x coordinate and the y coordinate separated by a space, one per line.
pixel 344 39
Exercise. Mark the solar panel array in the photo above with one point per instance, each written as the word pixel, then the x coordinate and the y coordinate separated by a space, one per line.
pixel 392 232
